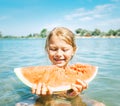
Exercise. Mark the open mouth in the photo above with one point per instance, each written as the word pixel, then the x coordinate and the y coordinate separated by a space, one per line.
pixel 59 60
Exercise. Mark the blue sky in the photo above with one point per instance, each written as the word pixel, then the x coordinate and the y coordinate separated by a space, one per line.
pixel 22 17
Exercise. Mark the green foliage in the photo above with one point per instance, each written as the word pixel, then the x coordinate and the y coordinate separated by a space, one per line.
pixel 43 33
pixel 0 34
pixel 82 32
pixel 111 32
pixel 96 32
pixel 78 32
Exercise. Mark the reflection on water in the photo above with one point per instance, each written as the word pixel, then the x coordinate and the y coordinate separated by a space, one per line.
pixel 54 101
pixel 59 101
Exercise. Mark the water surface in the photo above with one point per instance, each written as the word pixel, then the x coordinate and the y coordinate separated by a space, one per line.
pixel 104 53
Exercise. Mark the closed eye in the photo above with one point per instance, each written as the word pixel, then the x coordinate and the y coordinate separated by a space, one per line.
pixel 66 49
pixel 53 49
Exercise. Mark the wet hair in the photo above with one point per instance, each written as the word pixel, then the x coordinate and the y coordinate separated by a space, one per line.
pixel 64 34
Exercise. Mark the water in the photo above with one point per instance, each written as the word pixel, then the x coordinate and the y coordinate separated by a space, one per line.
pixel 104 53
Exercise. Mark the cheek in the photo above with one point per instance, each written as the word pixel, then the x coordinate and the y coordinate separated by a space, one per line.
pixel 50 54
pixel 69 54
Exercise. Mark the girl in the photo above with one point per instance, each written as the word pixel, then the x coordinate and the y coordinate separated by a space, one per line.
pixel 61 47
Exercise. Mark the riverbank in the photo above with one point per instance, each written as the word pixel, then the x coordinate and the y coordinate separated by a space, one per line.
pixel 78 37
pixel 98 37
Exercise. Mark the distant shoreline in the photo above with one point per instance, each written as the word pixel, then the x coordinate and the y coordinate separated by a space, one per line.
pixel 77 37
pixel 99 37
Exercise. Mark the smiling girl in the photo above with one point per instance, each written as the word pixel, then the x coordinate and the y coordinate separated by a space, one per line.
pixel 60 46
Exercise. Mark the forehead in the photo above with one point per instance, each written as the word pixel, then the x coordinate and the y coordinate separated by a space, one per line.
pixel 58 41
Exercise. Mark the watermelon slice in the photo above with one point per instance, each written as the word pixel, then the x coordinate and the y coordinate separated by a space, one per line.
pixel 56 78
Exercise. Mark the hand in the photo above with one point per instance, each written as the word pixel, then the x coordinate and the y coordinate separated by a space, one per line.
pixel 41 89
pixel 77 88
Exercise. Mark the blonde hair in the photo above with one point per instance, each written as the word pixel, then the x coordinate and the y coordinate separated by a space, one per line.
pixel 64 34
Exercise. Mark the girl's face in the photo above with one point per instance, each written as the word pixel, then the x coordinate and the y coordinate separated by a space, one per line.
pixel 59 52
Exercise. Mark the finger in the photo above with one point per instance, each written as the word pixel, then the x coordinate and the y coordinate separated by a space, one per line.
pixel 82 83
pixel 34 87
pixel 38 90
pixel 49 90
pixel 77 88
pixel 44 89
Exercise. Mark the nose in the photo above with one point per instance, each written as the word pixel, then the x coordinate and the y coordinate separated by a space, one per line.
pixel 59 53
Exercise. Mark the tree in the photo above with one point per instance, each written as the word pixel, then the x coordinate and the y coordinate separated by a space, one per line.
pixel 118 32
pixel 96 32
pixel 30 35
pixel 81 32
pixel 111 32
pixel 0 34
pixel 78 31
pixel 43 33
pixel 87 33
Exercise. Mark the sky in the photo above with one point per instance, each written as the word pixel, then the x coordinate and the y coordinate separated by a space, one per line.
pixel 22 17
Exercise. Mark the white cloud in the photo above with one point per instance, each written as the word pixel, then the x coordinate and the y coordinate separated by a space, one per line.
pixel 104 17
pixel 98 12
pixel 87 18
pixel 111 24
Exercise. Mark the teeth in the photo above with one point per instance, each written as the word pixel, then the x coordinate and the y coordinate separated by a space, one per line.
pixel 59 59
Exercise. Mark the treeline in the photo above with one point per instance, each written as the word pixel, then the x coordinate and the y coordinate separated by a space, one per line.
pixel 97 33
pixel 78 33
pixel 43 33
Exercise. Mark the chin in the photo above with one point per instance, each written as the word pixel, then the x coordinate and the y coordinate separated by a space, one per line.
pixel 61 65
